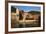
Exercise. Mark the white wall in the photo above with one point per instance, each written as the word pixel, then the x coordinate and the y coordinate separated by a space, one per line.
pixel 2 17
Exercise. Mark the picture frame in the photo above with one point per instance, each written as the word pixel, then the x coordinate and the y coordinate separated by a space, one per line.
pixel 8 5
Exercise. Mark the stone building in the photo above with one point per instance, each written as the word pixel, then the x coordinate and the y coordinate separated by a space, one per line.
pixel 22 16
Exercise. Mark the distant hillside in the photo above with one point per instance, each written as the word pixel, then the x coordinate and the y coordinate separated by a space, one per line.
pixel 34 12
pixel 13 9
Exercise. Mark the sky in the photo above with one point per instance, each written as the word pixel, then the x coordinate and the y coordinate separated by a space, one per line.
pixel 28 8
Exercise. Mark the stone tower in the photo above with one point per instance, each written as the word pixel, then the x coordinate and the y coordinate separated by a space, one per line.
pixel 17 14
